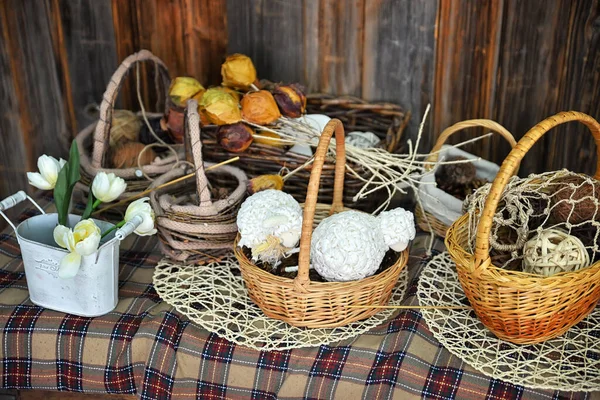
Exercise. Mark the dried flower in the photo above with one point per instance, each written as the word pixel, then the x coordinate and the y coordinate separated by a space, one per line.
pixel 220 107
pixel 290 99
pixel 264 182
pixel 260 108
pixel 234 93
pixel 184 88
pixel 235 138
pixel 238 71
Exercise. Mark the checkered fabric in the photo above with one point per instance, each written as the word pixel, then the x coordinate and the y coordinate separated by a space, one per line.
pixel 147 348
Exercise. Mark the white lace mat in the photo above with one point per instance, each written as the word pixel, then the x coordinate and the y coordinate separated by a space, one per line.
pixel 214 297
pixel 570 362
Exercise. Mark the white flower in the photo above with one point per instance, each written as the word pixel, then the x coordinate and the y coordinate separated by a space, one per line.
pixel 49 168
pixel 143 209
pixel 83 240
pixel 108 187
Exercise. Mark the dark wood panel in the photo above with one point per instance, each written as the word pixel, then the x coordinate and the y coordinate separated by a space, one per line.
pixel 466 63
pixel 398 62
pixel 85 46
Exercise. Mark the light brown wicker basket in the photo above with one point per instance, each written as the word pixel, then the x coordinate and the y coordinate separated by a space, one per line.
pixel 93 140
pixel 427 221
pixel 192 226
pixel 517 306
pixel 301 302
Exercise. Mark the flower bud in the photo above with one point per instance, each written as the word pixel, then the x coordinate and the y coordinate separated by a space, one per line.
pixel 238 71
pixel 264 182
pixel 235 138
pixel 260 108
pixel 220 107
pixel 290 99
pixel 184 88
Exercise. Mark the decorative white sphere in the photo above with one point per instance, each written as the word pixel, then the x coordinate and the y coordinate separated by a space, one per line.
pixel 347 246
pixel 553 251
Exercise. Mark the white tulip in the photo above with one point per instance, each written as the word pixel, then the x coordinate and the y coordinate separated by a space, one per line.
pixel 143 209
pixel 49 168
pixel 83 240
pixel 108 187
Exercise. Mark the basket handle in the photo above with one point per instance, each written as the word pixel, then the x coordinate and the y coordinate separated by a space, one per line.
pixel 334 125
pixel 102 133
pixel 482 240
pixel 192 128
pixel 471 123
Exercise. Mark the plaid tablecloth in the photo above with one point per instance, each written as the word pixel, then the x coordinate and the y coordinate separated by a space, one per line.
pixel 147 348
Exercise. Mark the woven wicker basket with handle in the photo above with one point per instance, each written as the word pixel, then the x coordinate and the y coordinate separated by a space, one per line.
pixel 93 141
pixel 192 226
pixel 301 302
pixel 425 219
pixel 517 306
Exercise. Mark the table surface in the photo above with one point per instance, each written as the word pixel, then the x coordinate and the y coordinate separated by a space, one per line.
pixel 145 347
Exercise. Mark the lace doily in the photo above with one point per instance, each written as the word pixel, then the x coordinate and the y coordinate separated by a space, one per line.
pixel 214 297
pixel 570 362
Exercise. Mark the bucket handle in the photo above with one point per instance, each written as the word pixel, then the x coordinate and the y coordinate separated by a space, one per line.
pixel 12 201
pixel 129 227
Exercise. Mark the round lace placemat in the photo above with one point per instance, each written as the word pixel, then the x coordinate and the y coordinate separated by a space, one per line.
pixel 214 297
pixel 570 362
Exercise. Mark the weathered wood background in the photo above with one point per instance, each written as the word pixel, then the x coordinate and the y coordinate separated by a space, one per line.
pixel 510 60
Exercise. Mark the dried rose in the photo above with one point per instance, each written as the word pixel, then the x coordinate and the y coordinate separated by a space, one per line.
pixel 220 107
pixel 234 93
pixel 290 99
pixel 269 138
pixel 184 88
pixel 235 138
pixel 260 108
pixel 238 71
pixel 264 182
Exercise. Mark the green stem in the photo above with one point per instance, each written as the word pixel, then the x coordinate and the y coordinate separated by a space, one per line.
pixel 97 202
pixel 117 226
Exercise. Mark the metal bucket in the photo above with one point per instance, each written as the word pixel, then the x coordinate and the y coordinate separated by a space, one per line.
pixel 94 290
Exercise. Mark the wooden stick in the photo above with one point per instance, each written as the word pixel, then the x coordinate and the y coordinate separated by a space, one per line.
pixel 418 307
pixel 174 181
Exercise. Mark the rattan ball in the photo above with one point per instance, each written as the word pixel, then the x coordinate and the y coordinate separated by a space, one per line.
pixel 126 155
pixel 575 201
pixel 553 251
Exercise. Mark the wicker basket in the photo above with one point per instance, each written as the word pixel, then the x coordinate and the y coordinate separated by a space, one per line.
pixel 93 140
pixel 425 219
pixel 206 231
pixel 387 121
pixel 301 302
pixel 516 306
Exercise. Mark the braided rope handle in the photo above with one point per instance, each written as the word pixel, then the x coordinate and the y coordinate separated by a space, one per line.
pixel 192 129
pixel 509 166
pixel 102 133
pixel 471 123
pixel 334 125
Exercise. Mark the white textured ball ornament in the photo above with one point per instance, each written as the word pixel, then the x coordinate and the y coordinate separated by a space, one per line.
pixel 347 246
pixel 398 228
pixel 553 251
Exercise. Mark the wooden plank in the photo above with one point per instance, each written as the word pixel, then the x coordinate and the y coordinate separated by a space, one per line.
pixel 85 47
pixel 531 67
pixel 271 33
pixel 398 61
pixel 12 149
pixel 465 75
pixel 27 34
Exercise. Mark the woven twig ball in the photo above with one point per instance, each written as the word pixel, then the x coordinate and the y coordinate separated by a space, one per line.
pixel 576 201
pixel 553 251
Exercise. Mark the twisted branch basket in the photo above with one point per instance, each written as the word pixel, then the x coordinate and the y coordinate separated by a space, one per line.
pixel 301 302
pixel 426 220
pixel 191 225
pixel 93 141
pixel 517 306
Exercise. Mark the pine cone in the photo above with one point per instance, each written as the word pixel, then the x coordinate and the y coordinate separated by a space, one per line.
pixel 456 174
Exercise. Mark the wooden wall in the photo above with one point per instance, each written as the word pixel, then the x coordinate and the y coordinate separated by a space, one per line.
pixel 511 60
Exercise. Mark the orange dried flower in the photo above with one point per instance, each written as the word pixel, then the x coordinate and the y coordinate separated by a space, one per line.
pixel 220 107
pixel 264 182
pixel 290 99
pixel 238 71
pixel 260 108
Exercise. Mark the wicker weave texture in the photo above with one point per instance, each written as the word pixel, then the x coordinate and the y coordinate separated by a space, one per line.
pixel 301 302
pixel 516 306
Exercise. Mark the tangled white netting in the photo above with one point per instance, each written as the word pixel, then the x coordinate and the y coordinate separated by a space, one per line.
pixel 535 215
pixel 570 362
pixel 214 296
